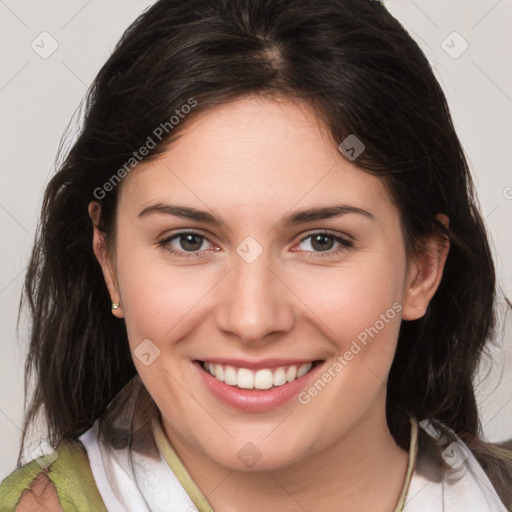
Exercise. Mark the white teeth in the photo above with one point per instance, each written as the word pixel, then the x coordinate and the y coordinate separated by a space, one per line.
pixel 279 377
pixel 245 379
pixel 304 369
pixel 219 372
pixel 261 379
pixel 291 373
pixel 229 376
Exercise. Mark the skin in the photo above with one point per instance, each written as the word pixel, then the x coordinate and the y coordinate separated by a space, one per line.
pixel 252 162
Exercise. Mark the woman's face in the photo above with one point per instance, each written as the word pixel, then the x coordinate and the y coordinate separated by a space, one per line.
pixel 262 287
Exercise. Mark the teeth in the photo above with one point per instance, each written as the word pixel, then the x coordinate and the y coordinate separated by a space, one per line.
pixel 219 372
pixel 303 370
pixel 279 377
pixel 245 379
pixel 261 379
pixel 229 376
pixel 291 373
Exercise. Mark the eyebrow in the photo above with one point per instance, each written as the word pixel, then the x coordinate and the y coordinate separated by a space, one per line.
pixel 292 219
pixel 326 212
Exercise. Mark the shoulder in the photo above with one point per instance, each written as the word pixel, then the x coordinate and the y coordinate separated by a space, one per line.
pixel 60 481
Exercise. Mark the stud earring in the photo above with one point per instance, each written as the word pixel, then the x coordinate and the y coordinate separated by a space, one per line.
pixel 115 305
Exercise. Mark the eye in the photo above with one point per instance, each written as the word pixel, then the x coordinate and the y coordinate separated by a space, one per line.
pixel 191 244
pixel 185 242
pixel 324 241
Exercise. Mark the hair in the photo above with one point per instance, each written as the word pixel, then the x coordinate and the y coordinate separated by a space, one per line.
pixel 363 74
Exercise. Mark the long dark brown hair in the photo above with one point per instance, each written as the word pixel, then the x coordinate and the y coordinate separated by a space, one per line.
pixel 364 75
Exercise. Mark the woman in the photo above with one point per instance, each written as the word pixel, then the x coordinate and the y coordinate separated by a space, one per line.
pixel 261 279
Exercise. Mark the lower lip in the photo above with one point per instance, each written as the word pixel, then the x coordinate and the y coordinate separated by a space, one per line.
pixel 255 400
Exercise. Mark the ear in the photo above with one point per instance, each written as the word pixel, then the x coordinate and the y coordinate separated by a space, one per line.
pixel 424 275
pixel 104 258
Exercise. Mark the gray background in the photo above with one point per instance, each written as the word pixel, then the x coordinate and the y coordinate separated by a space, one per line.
pixel 38 97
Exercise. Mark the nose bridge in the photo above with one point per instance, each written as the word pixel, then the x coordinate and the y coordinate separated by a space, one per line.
pixel 255 302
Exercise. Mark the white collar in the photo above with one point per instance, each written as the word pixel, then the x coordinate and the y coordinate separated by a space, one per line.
pixel 142 484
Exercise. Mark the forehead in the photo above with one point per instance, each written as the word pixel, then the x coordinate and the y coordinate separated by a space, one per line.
pixel 254 156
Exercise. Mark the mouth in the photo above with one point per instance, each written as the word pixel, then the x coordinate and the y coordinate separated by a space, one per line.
pixel 258 388
pixel 261 379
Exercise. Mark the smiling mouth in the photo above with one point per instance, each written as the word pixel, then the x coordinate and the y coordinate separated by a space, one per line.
pixel 262 379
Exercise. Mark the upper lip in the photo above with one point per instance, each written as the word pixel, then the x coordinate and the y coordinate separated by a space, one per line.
pixel 258 365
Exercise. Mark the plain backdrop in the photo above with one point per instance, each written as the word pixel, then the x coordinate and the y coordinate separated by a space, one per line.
pixel 52 50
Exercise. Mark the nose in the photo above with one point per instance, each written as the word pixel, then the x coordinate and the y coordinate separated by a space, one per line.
pixel 255 302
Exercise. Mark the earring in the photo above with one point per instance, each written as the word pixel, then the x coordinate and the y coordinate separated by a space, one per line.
pixel 115 305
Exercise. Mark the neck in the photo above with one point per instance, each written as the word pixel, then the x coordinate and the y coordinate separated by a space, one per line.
pixel 339 477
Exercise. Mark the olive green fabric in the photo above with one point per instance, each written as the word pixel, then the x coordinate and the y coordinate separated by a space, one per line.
pixel 70 473
pixel 413 454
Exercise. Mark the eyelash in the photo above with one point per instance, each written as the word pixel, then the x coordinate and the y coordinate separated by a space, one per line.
pixel 345 244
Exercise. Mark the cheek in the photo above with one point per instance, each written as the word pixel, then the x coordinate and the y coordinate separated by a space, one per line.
pixel 356 296
pixel 360 311
pixel 158 300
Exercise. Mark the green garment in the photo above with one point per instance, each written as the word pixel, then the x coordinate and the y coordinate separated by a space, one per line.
pixel 70 473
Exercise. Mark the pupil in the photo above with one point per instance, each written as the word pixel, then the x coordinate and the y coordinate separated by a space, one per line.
pixel 187 242
pixel 319 242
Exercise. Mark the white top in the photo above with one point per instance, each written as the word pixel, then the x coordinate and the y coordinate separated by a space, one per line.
pixel 447 477
pixel 140 485
pixel 443 475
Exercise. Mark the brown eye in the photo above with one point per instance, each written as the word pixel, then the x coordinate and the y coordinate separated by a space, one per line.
pixel 324 242
pixel 190 242
pixel 185 242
